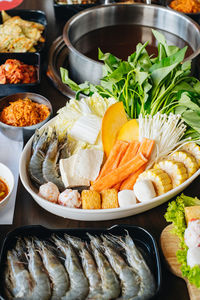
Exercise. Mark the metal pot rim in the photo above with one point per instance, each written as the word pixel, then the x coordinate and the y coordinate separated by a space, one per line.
pixel 79 15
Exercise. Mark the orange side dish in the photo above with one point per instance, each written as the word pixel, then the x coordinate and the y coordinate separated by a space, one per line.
pixel 15 71
pixel 3 189
pixel 24 112
pixel 186 6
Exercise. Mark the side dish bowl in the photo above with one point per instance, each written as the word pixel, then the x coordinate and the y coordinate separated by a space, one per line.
pixel 93 214
pixel 26 58
pixel 194 16
pixel 34 16
pixel 7 176
pixel 65 11
pixel 20 133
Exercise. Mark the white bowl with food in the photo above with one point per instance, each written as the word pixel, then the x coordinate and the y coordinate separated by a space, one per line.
pixel 6 184
pixel 32 106
pixel 91 214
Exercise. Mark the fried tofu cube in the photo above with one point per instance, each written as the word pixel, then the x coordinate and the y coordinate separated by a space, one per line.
pixel 192 212
pixel 109 198
pixel 90 199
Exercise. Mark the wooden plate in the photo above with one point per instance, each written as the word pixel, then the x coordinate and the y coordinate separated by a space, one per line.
pixel 170 245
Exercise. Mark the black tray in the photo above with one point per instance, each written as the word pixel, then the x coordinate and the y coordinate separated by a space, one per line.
pixel 27 58
pixel 31 15
pixel 142 238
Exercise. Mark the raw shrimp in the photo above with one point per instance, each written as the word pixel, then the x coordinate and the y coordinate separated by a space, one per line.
pixel 129 279
pixel 49 167
pixel 64 150
pixel 89 267
pixel 110 283
pixel 56 271
pixel 78 282
pixel 36 138
pixel 35 165
pixel 20 247
pixel 137 262
pixel 19 279
pixel 41 289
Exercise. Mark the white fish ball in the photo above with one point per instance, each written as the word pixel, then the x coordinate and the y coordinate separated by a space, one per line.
pixel 144 190
pixel 49 191
pixel 193 256
pixel 126 198
pixel 192 234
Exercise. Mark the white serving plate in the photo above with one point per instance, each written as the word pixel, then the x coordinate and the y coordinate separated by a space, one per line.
pixel 90 214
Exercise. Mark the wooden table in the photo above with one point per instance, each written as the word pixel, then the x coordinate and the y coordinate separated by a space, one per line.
pixel 28 212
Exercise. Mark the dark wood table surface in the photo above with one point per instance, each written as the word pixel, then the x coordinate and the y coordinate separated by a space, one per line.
pixel 27 211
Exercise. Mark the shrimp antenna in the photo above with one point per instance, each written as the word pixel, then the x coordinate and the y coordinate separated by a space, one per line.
pixel 55 237
pixel 95 241
pixel 117 241
pixel 74 241
pixel 107 241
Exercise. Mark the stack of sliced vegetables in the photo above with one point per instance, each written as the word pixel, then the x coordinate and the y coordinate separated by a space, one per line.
pixel 145 116
pixel 147 85
pixel 125 162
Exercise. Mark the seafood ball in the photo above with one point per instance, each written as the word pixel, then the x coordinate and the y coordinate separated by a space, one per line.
pixel 144 190
pixel 70 198
pixel 126 198
pixel 193 256
pixel 192 234
pixel 49 191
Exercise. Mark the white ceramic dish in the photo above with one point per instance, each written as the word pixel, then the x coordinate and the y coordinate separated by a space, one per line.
pixel 7 176
pixel 93 214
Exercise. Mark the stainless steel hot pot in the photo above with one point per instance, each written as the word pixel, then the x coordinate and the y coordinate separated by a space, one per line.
pixel 83 68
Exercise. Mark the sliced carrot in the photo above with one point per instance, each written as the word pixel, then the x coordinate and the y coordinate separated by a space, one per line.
pixel 119 174
pixel 146 147
pixel 129 182
pixel 116 186
pixel 130 153
pixel 120 155
pixel 114 157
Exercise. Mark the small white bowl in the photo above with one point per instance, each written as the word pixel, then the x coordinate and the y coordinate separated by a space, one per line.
pixel 7 176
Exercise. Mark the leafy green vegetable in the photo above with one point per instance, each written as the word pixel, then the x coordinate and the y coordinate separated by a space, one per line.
pixel 147 85
pixel 189 108
pixel 192 134
pixel 65 78
pixel 169 50
pixel 176 214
